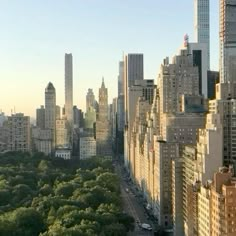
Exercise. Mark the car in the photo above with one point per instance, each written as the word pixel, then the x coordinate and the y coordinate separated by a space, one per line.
pixel 148 207
pixel 127 190
pixel 146 226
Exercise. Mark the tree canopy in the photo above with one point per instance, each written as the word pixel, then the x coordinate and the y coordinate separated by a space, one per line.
pixel 50 197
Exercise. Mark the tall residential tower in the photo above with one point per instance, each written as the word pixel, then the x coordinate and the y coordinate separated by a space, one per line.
pixel 227 40
pixel 69 87
pixel 202 24
pixel 50 111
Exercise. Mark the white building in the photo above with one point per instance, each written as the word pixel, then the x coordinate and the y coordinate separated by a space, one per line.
pixel 204 211
pixel 42 140
pixel 63 153
pixel 61 133
pixel 175 79
pixel 87 147
pixel 140 88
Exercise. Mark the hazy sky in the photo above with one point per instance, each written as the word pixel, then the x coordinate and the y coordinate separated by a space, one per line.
pixel 35 35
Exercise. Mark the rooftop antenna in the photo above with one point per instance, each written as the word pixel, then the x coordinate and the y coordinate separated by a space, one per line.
pixel 186 43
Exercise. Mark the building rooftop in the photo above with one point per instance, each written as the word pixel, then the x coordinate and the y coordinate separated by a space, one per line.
pixel 49 87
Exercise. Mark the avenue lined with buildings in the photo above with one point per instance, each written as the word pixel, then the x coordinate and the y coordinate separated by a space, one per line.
pixel 173 138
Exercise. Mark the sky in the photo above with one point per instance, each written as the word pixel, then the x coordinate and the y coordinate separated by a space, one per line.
pixel 35 35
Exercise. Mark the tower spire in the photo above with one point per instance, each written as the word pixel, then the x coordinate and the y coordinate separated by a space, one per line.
pixel 103 84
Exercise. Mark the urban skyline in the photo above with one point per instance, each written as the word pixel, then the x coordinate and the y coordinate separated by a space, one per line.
pixel 35 67
pixel 170 140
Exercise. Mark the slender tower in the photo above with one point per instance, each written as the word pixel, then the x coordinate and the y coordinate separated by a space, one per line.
pixel 69 87
pixel 227 41
pixel 103 102
pixel 202 24
pixel 50 111
pixel 133 70
pixel 103 127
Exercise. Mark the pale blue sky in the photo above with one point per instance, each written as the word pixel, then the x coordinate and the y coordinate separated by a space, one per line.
pixel 35 34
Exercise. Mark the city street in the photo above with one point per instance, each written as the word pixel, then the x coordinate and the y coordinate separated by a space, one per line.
pixel 133 206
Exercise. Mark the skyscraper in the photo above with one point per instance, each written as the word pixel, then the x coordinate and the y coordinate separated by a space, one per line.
pixel 90 99
pixel 103 127
pixel 227 40
pixel 40 117
pixel 212 80
pixel 121 78
pixel 202 24
pixel 50 111
pixel 120 109
pixel 200 59
pixel 69 87
pixel 103 102
pixel 133 70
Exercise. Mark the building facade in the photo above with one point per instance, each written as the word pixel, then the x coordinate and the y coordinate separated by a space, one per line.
pixel 90 99
pixel 227 40
pixel 213 78
pixel 87 147
pixel 202 25
pixel 103 126
pixel 50 112
pixel 42 140
pixel 133 70
pixel 40 117
pixel 61 133
pixel 19 132
pixel 69 87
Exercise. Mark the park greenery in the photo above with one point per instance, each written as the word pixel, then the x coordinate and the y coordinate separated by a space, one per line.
pixel 52 197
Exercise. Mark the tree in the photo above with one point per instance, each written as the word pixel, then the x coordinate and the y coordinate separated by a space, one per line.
pixel 43 165
pixel 21 192
pixel 114 229
pixel 110 181
pixel 50 197
pixel 22 222
pixel 64 189
pixel 5 196
pixel 46 190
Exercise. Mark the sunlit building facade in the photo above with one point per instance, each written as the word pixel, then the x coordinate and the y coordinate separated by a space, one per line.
pixel 19 132
pixel 202 24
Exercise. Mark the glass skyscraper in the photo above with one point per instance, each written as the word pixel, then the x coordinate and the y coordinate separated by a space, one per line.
pixel 227 41
pixel 202 24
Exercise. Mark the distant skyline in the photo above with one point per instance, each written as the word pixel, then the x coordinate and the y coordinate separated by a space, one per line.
pixel 35 35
